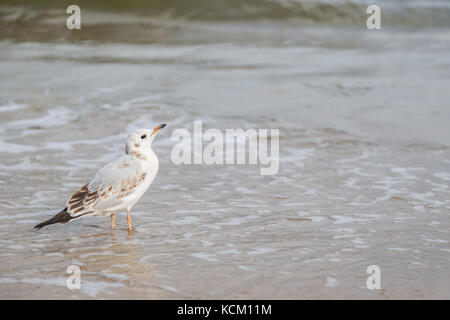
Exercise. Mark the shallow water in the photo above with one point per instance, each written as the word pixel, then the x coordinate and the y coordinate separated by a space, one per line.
pixel 364 159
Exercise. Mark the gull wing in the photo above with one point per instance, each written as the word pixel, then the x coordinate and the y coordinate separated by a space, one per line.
pixel 110 184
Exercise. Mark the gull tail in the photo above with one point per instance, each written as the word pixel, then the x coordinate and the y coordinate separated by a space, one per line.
pixel 62 217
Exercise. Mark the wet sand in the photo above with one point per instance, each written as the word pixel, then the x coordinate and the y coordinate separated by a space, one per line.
pixel 364 162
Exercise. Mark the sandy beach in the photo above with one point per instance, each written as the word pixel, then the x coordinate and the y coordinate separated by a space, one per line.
pixel 364 151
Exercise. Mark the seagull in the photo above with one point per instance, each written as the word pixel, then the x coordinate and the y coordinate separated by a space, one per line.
pixel 118 185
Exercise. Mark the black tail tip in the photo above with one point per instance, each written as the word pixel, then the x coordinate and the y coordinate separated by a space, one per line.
pixel 38 226
pixel 62 217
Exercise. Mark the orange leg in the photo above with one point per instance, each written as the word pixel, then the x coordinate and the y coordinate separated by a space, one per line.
pixel 130 228
pixel 113 221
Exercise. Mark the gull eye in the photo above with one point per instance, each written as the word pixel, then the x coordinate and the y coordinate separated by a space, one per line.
pixel 143 137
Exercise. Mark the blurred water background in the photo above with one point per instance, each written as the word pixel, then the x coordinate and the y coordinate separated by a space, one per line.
pixel 364 147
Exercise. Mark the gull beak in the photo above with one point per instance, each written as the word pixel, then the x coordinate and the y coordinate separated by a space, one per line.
pixel 155 131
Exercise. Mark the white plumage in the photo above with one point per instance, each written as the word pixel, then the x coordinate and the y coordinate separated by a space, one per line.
pixel 118 185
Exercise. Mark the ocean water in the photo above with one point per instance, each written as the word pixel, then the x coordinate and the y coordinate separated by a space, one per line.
pixel 364 148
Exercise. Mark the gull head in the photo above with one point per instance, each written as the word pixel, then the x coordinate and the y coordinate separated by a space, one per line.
pixel 142 139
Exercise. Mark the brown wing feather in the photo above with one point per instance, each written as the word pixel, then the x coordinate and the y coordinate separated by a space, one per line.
pixel 82 200
pixel 110 185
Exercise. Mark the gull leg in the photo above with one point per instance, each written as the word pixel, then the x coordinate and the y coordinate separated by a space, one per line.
pixel 113 221
pixel 130 228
